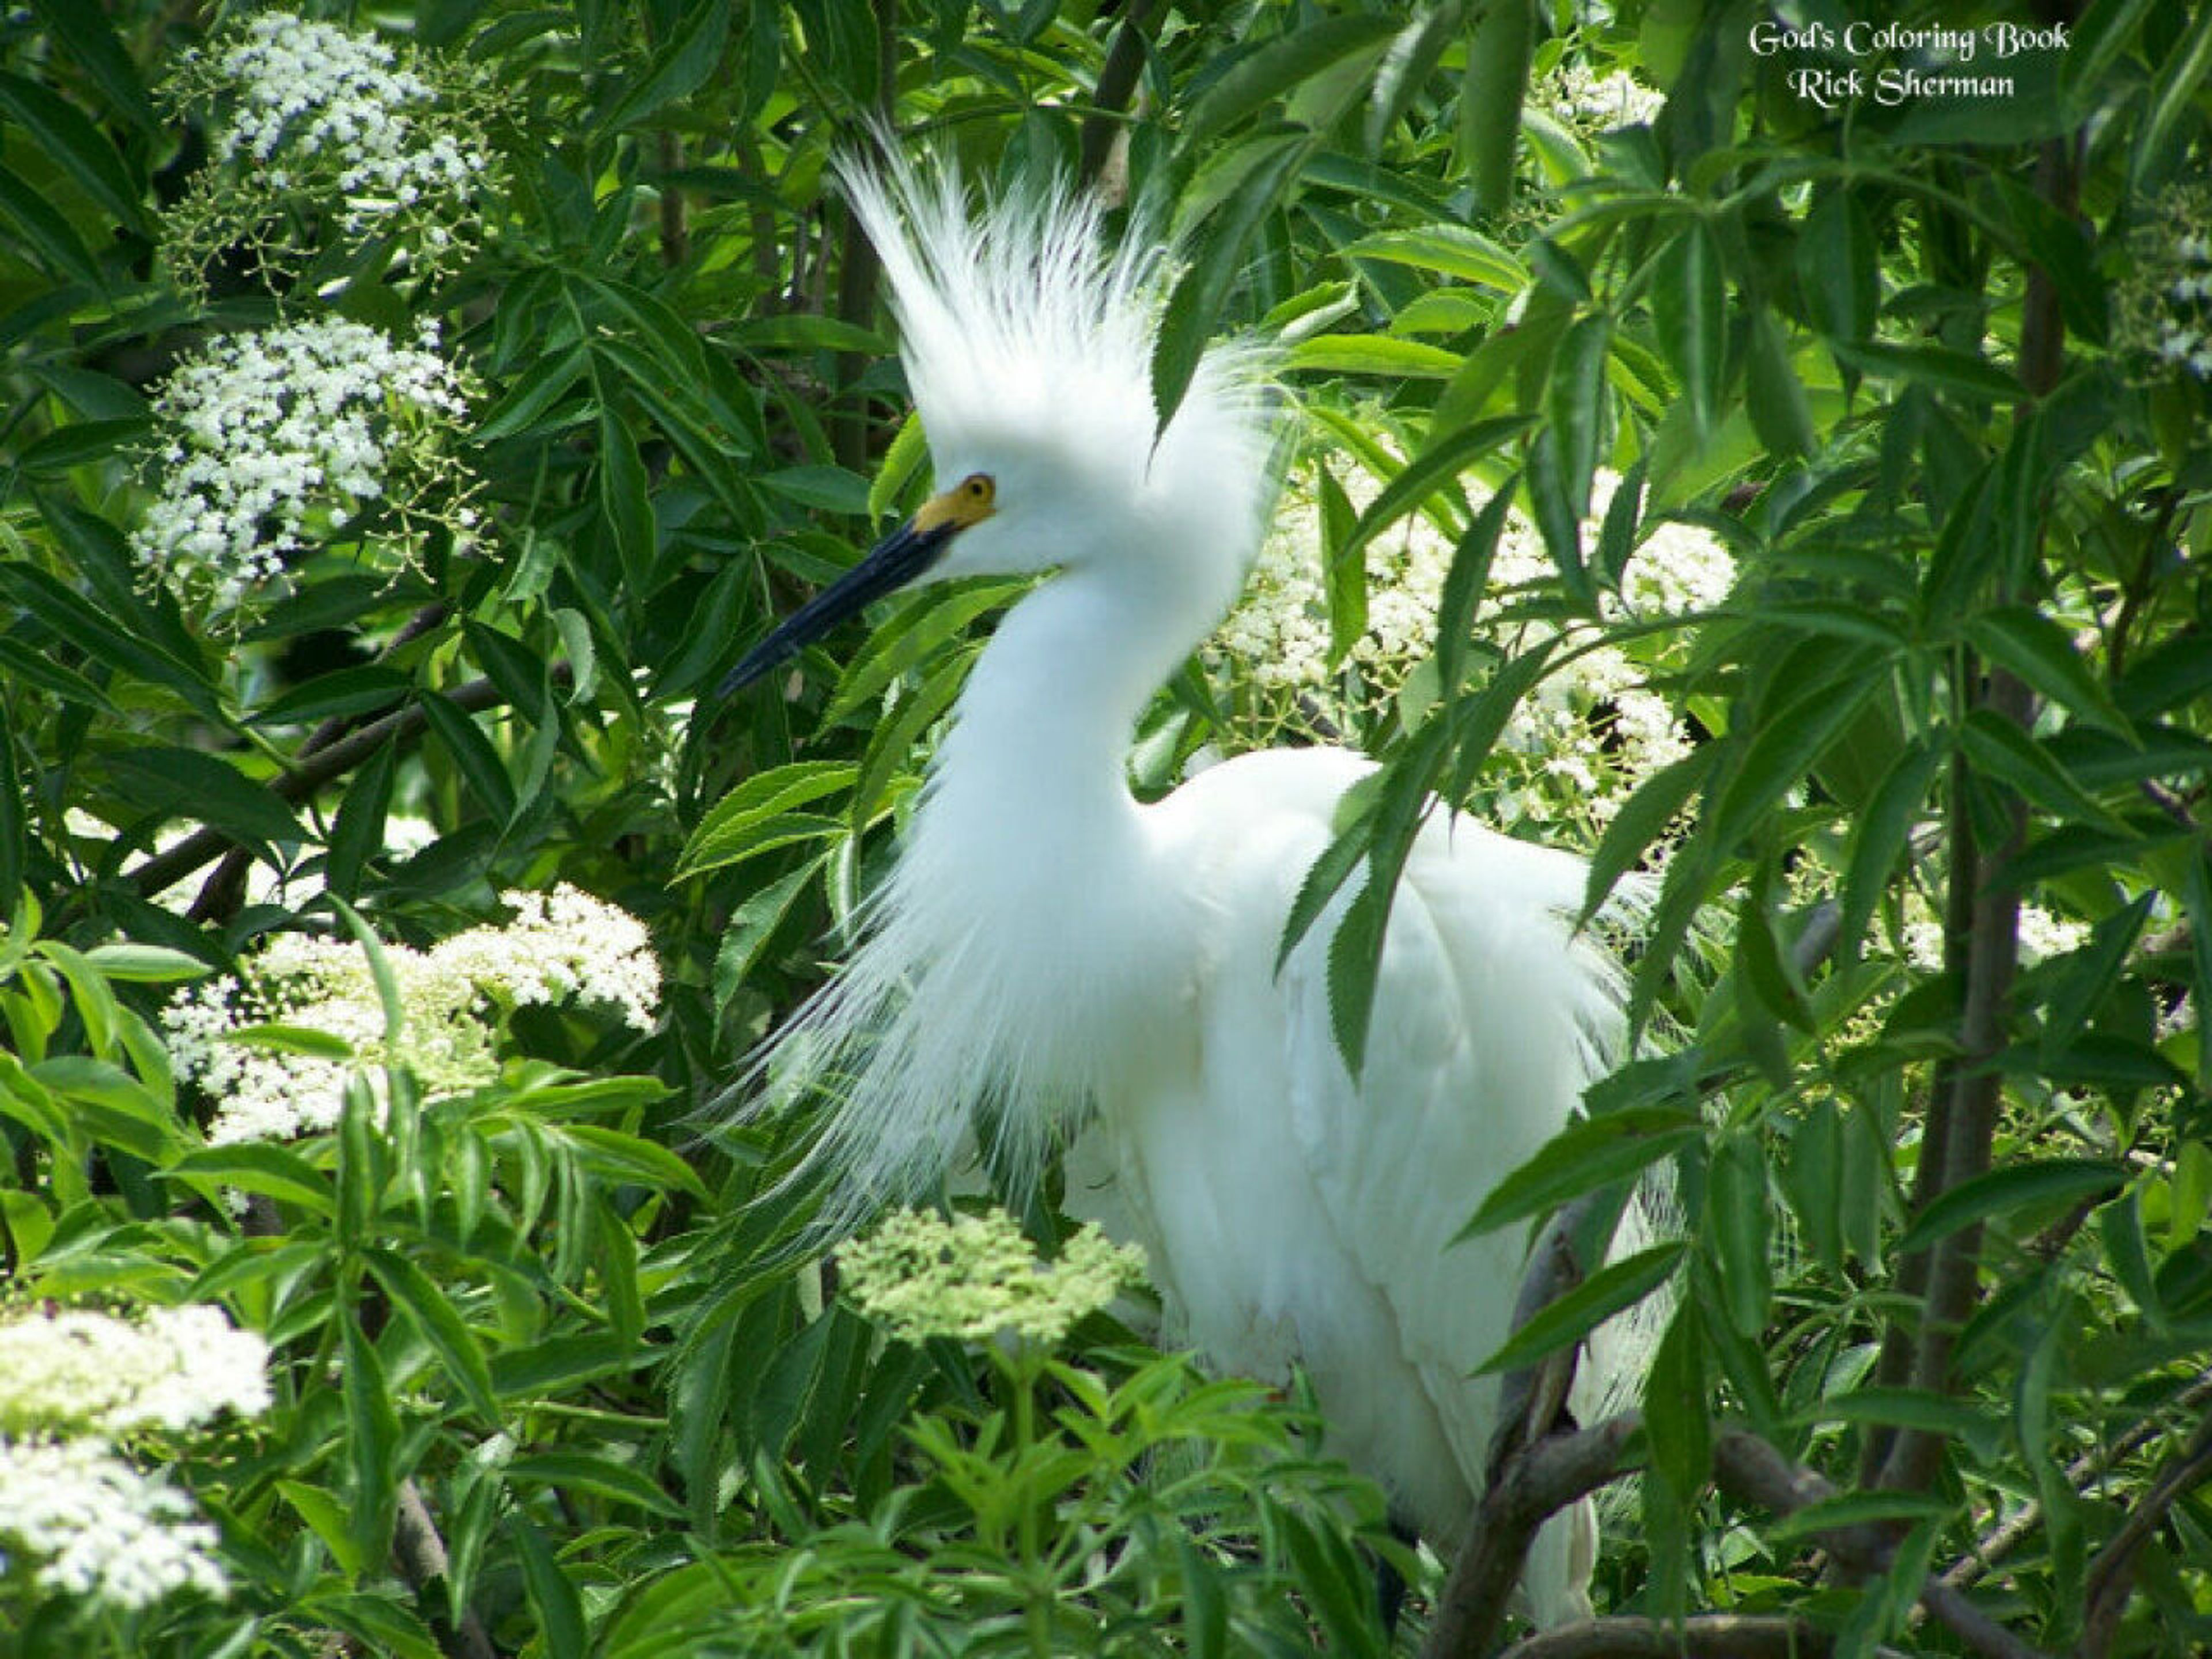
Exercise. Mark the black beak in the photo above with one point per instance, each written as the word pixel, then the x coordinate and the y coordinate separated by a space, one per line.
pixel 894 561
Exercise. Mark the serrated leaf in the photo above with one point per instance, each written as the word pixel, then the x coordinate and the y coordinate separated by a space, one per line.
pixel 680 68
pixel 1581 1157
pixel 1689 314
pixel 631 1157
pixel 1879 836
pixel 441 1325
pixel 733 827
pixel 260 1167
pixel 471 753
pixel 1448 249
pixel 1975 378
pixel 2041 653
pixel 196 786
pixel 2019 1186
pixel 1616 1286
pixel 1195 308
pixel 1491 97
pixel 1268 72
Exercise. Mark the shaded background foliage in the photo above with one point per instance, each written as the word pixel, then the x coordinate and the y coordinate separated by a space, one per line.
pixel 1943 1232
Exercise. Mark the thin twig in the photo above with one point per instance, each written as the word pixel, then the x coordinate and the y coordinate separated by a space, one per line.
pixel 2111 1575
pixel 2081 1474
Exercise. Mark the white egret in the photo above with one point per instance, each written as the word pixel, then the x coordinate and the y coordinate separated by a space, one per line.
pixel 1048 947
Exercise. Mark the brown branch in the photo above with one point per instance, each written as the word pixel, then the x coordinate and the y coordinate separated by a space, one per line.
pixel 859 267
pixel 674 224
pixel 420 1555
pixel 1534 1484
pixel 2081 1474
pixel 2111 1575
pixel 1753 1472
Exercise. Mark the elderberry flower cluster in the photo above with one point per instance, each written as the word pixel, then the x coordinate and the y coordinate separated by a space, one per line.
pixel 560 946
pixel 970 1277
pixel 2042 935
pixel 319 125
pixel 2164 301
pixel 275 439
pixel 80 1370
pixel 1576 747
pixel 73 1383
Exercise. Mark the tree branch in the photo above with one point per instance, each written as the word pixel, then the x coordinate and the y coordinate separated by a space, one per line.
pixel 1753 1472
pixel 2111 1575
pixel 421 1555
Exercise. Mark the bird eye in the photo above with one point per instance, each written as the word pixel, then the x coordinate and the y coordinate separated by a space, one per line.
pixel 978 487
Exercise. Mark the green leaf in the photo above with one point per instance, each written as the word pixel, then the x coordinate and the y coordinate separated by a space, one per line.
pixel 2019 1186
pixel 1581 1157
pixel 923 625
pixel 732 826
pixel 1689 301
pixel 581 1472
pixel 1467 582
pixel 632 1158
pixel 1266 74
pixel 2185 68
pixel 1839 269
pixel 471 752
pixel 192 784
pixel 68 615
pixel 1856 1509
pixel 680 68
pixel 907 451
pixel 2087 975
pixel 439 1324
pixel 357 830
pixel 1614 1286
pixel 1974 379
pixel 1194 309
pixel 48 232
pixel 371 1448
pixel 2042 654
pixel 1491 96
pixel 2000 750
pixel 1641 820
pixel 1450 250
pixel 1773 395
pixel 1574 402
pixel 80 148
pixel 1372 353
pixel 258 1166
pixel 326 1515
pixel 85 34
pixel 1676 1416
pixel 560 1608
pixel 1441 461
pixel 1878 838
pixel 623 498
pixel 1406 67
pixel 145 964
pixel 1736 1210
pixel 1784 749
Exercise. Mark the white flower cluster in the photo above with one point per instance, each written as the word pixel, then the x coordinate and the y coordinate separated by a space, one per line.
pixel 561 945
pixel 343 126
pixel 73 1381
pixel 173 1369
pixel 973 1276
pixel 310 92
pixel 276 437
pixel 1578 95
pixel 2164 301
pixel 1574 750
pixel 100 1528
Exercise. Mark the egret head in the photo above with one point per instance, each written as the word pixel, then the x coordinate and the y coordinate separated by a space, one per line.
pixel 1028 347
